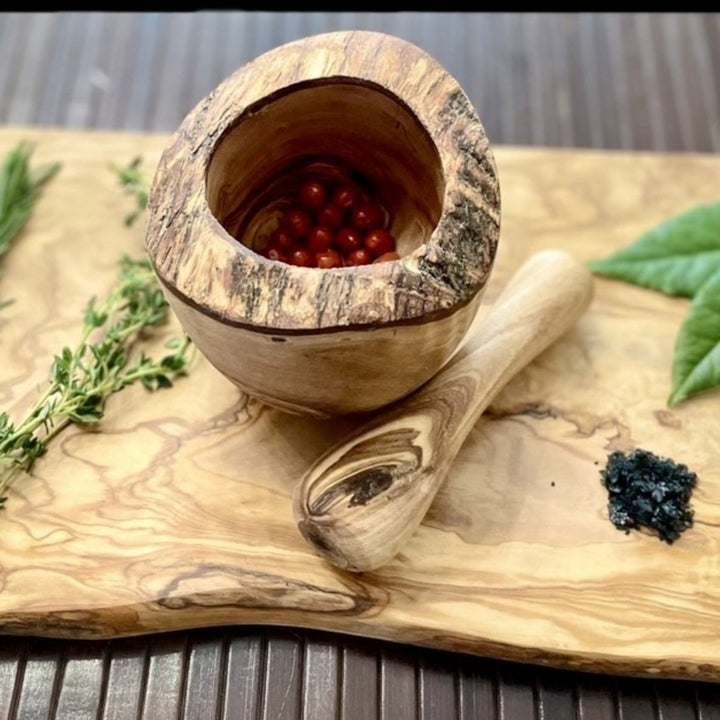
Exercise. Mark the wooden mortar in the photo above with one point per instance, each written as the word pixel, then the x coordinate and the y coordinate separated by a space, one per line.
pixel 316 341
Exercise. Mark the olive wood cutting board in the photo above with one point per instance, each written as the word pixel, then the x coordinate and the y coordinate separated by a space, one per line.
pixel 176 512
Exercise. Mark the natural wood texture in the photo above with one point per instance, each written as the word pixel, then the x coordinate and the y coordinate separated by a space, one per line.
pixel 361 105
pixel 361 500
pixel 641 81
pixel 178 512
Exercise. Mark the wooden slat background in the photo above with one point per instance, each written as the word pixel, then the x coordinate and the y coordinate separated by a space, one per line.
pixel 628 81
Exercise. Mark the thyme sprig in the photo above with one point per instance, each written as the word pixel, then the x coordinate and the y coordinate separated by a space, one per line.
pixel 83 378
pixel 19 189
pixel 135 183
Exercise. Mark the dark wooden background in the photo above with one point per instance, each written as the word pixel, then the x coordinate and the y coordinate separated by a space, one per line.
pixel 629 81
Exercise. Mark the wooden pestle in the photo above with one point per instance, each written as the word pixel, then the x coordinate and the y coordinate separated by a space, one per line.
pixel 363 498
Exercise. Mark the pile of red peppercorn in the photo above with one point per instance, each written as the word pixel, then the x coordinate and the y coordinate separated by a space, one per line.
pixel 331 225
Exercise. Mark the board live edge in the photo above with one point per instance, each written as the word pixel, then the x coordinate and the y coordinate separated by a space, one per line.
pixel 176 513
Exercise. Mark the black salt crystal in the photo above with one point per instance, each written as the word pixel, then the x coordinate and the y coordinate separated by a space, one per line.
pixel 649 491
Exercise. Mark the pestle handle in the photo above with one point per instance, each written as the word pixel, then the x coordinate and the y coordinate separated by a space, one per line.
pixel 363 498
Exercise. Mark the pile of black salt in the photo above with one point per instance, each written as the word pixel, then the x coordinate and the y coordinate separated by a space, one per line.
pixel 649 491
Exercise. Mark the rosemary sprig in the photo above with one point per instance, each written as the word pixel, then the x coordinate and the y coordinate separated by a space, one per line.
pixel 83 378
pixel 19 189
pixel 135 183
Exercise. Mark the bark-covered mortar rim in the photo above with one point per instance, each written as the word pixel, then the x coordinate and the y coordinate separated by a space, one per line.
pixel 203 265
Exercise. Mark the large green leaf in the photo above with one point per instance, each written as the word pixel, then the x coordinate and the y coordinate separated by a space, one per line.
pixel 676 258
pixel 696 361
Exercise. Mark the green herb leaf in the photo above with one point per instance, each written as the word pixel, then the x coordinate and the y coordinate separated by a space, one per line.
pixel 136 184
pixel 696 363
pixel 681 257
pixel 675 258
pixel 82 378
pixel 19 189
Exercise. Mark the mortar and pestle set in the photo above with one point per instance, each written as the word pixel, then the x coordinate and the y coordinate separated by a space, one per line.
pixel 387 339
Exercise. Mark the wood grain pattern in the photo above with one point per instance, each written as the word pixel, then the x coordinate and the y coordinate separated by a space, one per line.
pixel 583 73
pixel 362 499
pixel 178 513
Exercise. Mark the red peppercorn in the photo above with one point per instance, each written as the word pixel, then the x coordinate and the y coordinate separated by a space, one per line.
pixel 330 224
pixel 345 196
pixel 280 239
pixel 348 239
pixel 386 257
pixel 359 257
pixel 329 259
pixel 367 215
pixel 379 242
pixel 331 216
pixel 301 257
pixel 320 239
pixel 297 222
pixel 312 194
